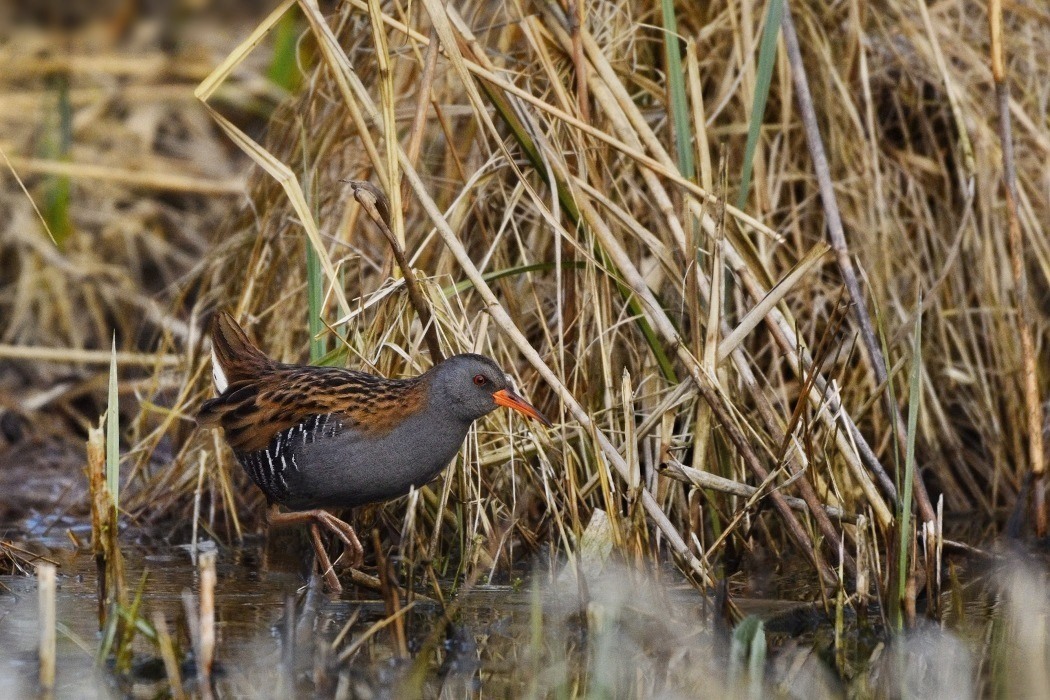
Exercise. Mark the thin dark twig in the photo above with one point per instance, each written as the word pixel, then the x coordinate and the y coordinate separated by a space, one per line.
pixel 838 242
pixel 377 206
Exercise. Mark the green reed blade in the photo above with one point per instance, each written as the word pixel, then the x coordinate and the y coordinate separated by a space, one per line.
pixel 58 188
pixel 513 272
pixel 767 54
pixel 914 398
pixel 676 88
pixel 315 300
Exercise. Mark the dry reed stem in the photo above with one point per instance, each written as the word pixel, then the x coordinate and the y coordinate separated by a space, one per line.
pixel 396 218
pixel 757 313
pixel 200 621
pixel 1029 375
pixel 706 480
pixel 170 182
pixel 87 357
pixel 379 209
pixel 274 166
pixel 206 658
pixel 347 81
pixel 423 101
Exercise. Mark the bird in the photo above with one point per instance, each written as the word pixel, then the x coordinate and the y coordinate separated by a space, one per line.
pixel 314 438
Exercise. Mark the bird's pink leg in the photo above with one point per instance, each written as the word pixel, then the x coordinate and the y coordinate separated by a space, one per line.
pixel 317 519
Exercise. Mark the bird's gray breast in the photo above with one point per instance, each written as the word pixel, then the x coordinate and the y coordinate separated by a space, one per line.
pixel 342 466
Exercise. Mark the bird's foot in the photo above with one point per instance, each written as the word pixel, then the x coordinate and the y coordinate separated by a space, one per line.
pixel 318 519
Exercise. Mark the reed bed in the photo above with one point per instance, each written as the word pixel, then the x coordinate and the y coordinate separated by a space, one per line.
pixel 765 265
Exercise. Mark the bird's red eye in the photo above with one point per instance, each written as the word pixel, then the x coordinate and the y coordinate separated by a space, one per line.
pixel 479 379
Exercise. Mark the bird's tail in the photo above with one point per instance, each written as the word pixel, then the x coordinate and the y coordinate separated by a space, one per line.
pixel 233 356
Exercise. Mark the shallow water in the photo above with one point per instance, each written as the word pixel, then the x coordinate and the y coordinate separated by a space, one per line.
pixel 253 595
pixel 637 635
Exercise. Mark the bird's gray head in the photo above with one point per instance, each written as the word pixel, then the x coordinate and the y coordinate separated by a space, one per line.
pixel 471 386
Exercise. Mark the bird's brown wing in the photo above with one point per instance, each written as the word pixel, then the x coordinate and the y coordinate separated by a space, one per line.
pixel 253 410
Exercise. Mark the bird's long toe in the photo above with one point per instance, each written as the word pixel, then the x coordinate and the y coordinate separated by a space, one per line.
pixel 346 534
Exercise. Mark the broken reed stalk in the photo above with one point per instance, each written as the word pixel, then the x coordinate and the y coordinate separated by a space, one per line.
pixel 109 563
pixel 45 575
pixel 706 480
pixel 377 206
pixel 1030 378
pixel 206 651
pixel 836 233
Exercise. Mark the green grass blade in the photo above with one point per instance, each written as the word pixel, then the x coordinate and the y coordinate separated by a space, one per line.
pixel 284 69
pixel 130 618
pixel 314 276
pixel 113 431
pixel 109 634
pixel 315 300
pixel 676 88
pixel 58 188
pixel 460 287
pixel 767 54
pixel 914 398
pixel 756 663
pixel 747 655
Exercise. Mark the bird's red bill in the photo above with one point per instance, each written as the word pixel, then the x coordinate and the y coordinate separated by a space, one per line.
pixel 506 397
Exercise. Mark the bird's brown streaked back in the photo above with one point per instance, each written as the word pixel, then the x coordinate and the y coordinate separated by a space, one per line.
pixel 264 397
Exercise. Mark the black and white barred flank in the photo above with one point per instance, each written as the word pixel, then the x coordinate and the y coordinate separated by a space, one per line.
pixel 269 468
